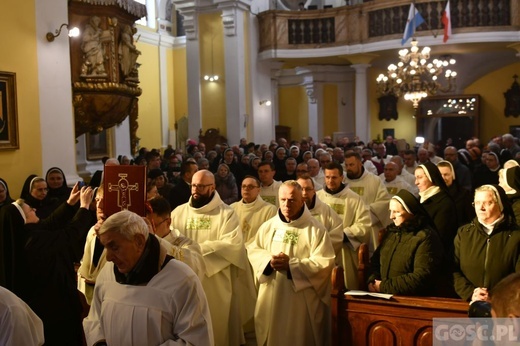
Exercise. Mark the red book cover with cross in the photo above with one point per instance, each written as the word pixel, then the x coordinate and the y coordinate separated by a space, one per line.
pixel 124 187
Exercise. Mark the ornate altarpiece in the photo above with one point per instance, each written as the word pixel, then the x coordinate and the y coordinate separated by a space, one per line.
pixel 104 65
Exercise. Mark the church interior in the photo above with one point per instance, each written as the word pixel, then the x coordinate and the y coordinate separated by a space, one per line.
pixel 85 79
pixel 261 51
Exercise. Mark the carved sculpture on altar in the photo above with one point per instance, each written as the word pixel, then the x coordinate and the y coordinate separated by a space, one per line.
pixel 91 45
pixel 104 67
pixel 128 52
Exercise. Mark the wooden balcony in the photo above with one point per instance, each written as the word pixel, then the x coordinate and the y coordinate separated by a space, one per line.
pixel 380 20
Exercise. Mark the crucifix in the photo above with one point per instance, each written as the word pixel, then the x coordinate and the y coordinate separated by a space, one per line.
pixel 123 191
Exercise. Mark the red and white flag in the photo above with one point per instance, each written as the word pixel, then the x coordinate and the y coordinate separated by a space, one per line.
pixel 446 21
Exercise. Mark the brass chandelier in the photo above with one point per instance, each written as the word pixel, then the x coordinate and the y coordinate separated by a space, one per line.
pixel 414 77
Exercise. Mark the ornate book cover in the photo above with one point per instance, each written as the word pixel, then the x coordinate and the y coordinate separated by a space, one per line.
pixel 124 188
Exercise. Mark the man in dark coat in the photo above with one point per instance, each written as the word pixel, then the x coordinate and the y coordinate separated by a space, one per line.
pixel 181 192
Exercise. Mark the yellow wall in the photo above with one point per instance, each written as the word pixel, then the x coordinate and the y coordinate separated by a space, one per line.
pixel 150 101
pixel 180 85
pixel 171 99
pixel 213 94
pixel 18 38
pixel 492 102
pixel 293 110
pixel 330 109
pixel 404 126
pixel 247 77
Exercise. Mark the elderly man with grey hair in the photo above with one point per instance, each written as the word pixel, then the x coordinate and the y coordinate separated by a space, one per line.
pixel 292 258
pixel 509 143
pixel 315 173
pixel 144 296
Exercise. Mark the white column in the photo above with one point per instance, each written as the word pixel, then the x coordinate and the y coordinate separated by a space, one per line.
pixel 262 119
pixel 237 114
pixel 276 102
pixel 56 112
pixel 188 10
pixel 194 106
pixel 163 80
pixel 362 116
pixel 121 134
pixel 315 97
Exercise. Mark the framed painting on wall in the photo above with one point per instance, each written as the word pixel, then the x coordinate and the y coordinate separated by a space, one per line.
pixel 99 145
pixel 8 111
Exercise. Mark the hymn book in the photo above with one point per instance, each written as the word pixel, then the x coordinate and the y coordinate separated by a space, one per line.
pixel 371 294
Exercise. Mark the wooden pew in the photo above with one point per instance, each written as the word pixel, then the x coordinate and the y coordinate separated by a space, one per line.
pixel 398 321
pixel 401 320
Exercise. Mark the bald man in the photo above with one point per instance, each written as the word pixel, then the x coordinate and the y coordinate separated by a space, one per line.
pixel 314 171
pixel 392 181
pixel 404 174
pixel 252 210
pixel 228 282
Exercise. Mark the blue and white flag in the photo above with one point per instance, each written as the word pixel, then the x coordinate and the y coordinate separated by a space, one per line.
pixel 414 20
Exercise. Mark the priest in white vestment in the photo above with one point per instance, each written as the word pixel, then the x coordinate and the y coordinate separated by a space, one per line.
pixel 228 282
pixel 292 257
pixel 404 175
pixel 372 191
pixel 324 214
pixel 252 210
pixel 356 218
pixel 19 325
pixel 393 182
pixel 316 173
pixel 143 296
pixel 270 187
pixel 94 256
pixel 180 247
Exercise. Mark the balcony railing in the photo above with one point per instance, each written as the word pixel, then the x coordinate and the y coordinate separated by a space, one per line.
pixel 380 20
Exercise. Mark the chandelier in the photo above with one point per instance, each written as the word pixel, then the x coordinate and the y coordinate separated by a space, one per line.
pixel 414 77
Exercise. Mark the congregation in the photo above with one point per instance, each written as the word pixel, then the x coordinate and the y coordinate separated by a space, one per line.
pixel 239 241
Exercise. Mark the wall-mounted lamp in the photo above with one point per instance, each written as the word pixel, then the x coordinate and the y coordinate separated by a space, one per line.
pixel 73 32
pixel 211 77
pixel 265 102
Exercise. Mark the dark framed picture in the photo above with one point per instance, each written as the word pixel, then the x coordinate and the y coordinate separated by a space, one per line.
pixel 99 144
pixel 388 132
pixel 8 112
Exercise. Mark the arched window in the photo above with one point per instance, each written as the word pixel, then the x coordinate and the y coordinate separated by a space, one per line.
pixel 150 19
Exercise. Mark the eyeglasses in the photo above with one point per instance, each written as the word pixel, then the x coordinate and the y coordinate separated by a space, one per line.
pixel 249 187
pixel 160 223
pixel 199 186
